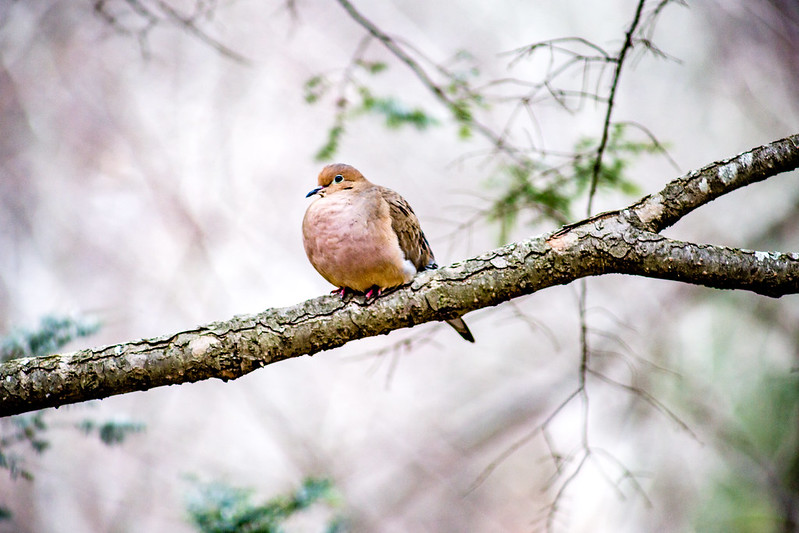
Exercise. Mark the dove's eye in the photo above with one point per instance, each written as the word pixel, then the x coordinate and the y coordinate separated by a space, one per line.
pixel 338 179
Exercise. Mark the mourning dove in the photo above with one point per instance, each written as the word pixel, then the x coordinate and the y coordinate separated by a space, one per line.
pixel 364 237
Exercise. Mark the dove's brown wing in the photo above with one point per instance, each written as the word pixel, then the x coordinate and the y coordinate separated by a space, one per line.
pixel 415 246
pixel 409 233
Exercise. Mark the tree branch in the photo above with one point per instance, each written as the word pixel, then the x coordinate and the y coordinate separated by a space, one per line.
pixel 624 242
pixel 681 196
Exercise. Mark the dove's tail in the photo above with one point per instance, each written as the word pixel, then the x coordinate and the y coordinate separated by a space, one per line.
pixel 461 327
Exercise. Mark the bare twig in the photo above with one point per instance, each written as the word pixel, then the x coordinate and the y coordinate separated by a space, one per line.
pixel 648 398
pixel 540 428
pixel 152 13
pixel 455 108
pixel 619 62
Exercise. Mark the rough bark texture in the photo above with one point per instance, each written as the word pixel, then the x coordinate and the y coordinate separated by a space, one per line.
pixel 625 242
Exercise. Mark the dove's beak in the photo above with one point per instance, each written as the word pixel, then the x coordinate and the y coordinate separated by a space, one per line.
pixel 316 190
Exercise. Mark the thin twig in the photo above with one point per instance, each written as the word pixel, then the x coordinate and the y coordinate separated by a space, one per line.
pixel 151 18
pixel 499 143
pixel 619 60
pixel 188 24
pixel 648 398
pixel 488 470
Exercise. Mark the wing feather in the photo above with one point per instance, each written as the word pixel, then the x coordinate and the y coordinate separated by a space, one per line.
pixel 412 240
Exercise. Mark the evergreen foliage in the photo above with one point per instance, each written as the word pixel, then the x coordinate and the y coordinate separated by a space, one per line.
pixel 219 508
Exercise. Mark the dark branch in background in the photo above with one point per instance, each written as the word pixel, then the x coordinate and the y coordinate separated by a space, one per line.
pixel 138 18
pixel 619 62
pixel 616 242
pixel 458 109
pixel 585 348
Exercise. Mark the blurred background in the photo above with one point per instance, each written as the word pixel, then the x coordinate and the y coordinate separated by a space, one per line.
pixel 153 174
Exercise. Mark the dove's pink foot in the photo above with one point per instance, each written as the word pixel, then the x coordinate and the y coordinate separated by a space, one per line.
pixel 374 291
pixel 341 291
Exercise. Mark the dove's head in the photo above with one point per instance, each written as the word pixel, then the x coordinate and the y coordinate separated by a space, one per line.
pixel 338 177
